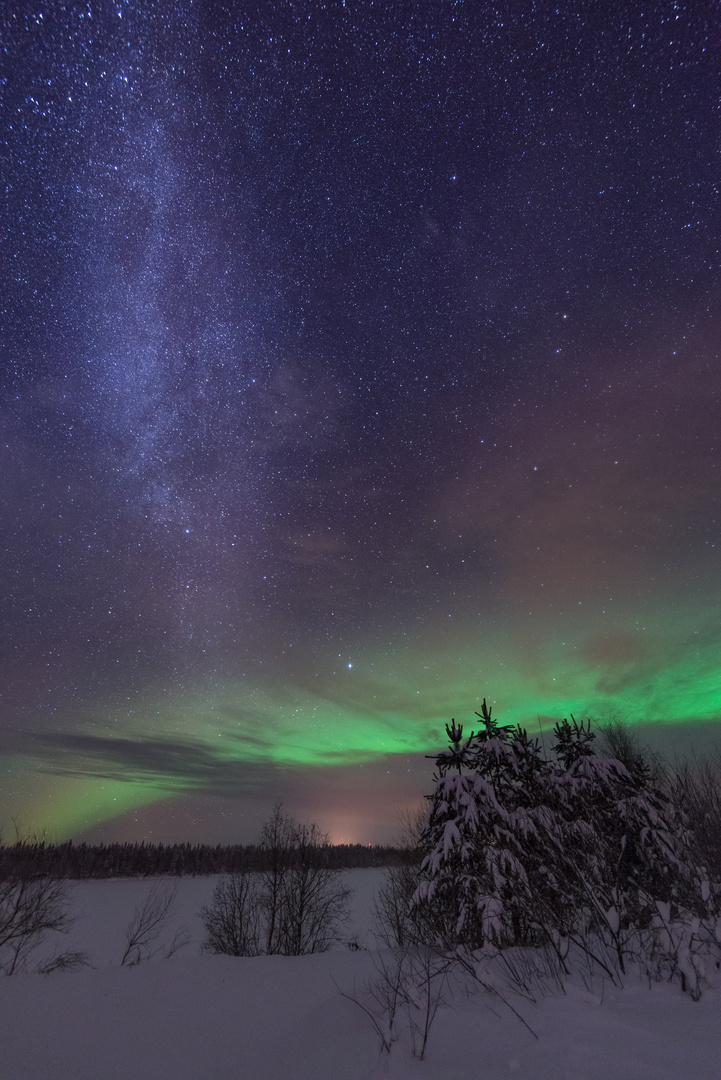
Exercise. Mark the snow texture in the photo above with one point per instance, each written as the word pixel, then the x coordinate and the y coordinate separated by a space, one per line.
pixel 204 1017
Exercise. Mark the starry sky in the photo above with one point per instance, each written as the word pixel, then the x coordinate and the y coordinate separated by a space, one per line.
pixel 360 359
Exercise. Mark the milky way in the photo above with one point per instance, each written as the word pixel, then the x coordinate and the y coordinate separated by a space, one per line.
pixel 360 361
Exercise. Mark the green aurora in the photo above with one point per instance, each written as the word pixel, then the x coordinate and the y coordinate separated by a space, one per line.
pixel 369 711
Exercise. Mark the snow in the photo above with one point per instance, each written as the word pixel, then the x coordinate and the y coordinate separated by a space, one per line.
pixel 202 1017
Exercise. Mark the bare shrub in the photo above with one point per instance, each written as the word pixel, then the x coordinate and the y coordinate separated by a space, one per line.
pixel 531 973
pixel 409 985
pixel 314 897
pixel 276 845
pixel 29 908
pixel 67 961
pixel 695 788
pixel 429 976
pixel 296 904
pixel 147 924
pixel 382 996
pixel 617 740
pixel 232 920
pixel 396 921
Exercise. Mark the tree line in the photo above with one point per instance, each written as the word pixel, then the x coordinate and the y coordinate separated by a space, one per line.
pixel 26 859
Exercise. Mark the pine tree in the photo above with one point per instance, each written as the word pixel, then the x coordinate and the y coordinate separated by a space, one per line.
pixel 484 823
pixel 525 849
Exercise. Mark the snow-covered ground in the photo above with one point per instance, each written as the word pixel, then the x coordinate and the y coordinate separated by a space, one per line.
pixel 201 1017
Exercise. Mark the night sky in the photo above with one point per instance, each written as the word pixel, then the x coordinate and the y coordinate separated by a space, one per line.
pixel 360 359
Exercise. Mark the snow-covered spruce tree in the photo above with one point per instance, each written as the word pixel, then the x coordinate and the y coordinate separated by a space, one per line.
pixel 521 849
pixel 627 856
pixel 487 832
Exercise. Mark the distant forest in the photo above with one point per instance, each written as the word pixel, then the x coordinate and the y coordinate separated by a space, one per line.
pixel 81 861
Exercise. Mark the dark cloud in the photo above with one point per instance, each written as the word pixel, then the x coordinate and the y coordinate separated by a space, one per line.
pixel 175 765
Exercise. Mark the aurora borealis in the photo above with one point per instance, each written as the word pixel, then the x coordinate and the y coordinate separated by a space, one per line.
pixel 359 361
